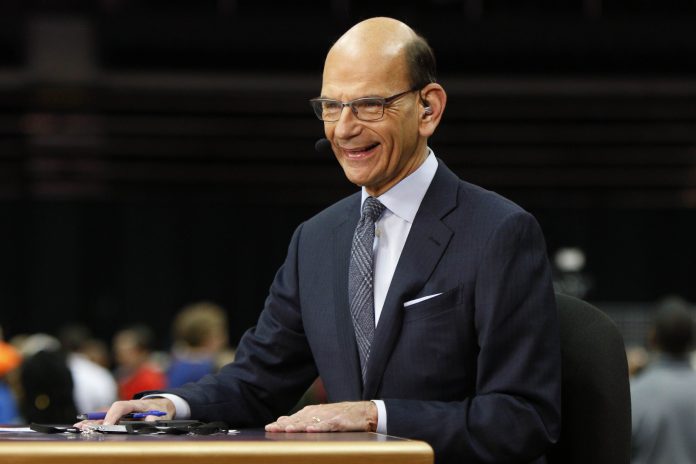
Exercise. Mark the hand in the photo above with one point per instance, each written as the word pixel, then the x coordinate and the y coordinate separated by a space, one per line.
pixel 121 408
pixel 357 416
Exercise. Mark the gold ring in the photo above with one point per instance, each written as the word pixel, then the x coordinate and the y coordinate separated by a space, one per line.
pixel 316 419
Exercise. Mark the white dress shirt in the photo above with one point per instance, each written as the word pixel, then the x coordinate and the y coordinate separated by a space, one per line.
pixel 391 231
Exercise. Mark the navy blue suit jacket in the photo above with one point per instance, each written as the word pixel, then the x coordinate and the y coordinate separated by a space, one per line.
pixel 475 371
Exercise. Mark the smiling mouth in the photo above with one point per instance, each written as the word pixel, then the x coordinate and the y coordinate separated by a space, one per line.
pixel 361 152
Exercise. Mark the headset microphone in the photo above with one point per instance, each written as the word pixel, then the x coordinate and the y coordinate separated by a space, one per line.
pixel 323 146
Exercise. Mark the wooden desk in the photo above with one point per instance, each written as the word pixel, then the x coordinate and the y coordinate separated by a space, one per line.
pixel 248 447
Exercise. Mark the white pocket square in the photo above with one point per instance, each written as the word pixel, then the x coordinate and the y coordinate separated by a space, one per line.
pixel 418 300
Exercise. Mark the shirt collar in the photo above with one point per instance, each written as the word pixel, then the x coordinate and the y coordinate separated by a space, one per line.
pixel 405 198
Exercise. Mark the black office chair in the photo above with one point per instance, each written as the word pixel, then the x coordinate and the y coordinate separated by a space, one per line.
pixel 596 403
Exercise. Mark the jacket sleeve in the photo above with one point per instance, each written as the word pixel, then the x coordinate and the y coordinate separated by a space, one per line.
pixel 273 364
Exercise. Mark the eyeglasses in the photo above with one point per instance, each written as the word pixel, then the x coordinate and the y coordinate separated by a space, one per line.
pixel 365 108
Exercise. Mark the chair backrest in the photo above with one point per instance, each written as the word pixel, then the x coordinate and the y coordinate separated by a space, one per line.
pixel 596 397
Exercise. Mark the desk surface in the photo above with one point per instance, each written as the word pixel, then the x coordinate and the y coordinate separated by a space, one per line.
pixel 249 446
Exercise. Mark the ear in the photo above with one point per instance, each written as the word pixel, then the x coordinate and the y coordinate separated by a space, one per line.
pixel 432 106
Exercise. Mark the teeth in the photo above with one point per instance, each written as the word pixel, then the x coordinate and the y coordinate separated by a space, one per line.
pixel 356 152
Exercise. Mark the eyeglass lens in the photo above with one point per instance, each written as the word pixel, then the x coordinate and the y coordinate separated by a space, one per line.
pixel 367 109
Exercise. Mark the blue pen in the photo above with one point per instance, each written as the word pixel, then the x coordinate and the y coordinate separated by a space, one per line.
pixel 132 415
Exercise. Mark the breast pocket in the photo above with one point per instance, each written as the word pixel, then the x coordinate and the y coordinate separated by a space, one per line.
pixel 431 359
pixel 432 306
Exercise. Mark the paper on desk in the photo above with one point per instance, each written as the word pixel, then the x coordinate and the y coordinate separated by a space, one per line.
pixel 16 429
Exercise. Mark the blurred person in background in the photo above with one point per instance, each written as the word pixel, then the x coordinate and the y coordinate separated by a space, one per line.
pixel 664 394
pixel 200 343
pixel 94 386
pixel 10 359
pixel 135 370
pixel 45 382
pixel 97 351
pixel 638 358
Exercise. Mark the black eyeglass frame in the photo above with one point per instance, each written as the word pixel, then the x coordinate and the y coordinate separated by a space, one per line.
pixel 383 101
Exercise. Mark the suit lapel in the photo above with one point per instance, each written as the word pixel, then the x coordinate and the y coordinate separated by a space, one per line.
pixel 424 247
pixel 343 238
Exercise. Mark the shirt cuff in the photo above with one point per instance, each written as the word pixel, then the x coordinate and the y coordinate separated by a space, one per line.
pixel 181 406
pixel 381 416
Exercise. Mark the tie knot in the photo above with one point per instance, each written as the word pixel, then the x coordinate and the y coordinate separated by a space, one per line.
pixel 372 208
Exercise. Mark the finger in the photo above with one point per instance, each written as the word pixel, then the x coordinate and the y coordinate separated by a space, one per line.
pixel 284 424
pixel 306 424
pixel 272 427
pixel 118 410
pixel 86 423
pixel 318 424
pixel 284 421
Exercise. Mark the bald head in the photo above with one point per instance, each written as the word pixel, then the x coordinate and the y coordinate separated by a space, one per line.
pixel 388 42
pixel 385 36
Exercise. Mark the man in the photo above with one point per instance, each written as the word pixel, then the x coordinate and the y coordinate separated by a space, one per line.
pixel 663 402
pixel 94 386
pixel 135 370
pixel 465 351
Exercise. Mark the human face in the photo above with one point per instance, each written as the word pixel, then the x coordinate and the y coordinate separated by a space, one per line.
pixel 373 154
pixel 126 352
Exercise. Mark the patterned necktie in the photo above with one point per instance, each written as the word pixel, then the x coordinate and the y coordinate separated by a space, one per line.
pixel 360 294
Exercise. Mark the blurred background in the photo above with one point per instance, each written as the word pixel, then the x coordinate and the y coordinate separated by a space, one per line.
pixel 156 153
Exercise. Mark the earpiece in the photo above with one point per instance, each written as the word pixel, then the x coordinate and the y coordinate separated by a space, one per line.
pixel 426 106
